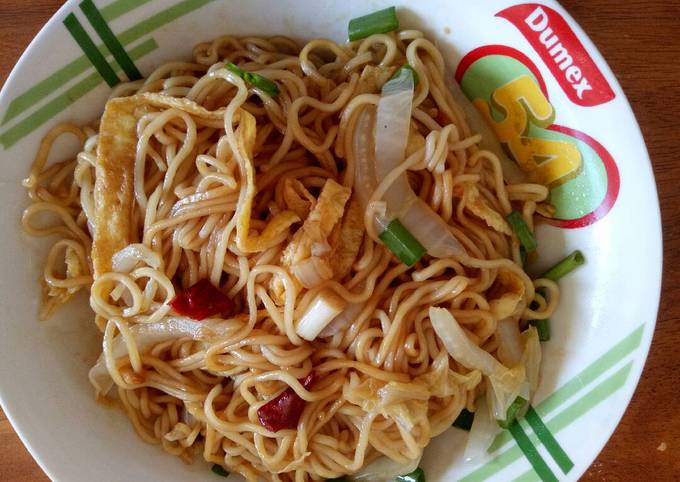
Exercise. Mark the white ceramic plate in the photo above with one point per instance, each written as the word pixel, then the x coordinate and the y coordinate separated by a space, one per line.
pixel 607 201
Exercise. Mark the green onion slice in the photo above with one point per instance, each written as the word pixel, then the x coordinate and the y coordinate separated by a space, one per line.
pixel 406 69
pixel 464 420
pixel 417 475
pixel 543 328
pixel 514 410
pixel 522 231
pixel 219 470
pixel 256 80
pixel 382 21
pixel 402 243
pixel 566 266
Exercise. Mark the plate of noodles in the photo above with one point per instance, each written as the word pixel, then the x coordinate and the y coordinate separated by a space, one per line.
pixel 301 240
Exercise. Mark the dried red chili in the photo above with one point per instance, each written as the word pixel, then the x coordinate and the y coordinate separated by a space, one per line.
pixel 284 411
pixel 201 301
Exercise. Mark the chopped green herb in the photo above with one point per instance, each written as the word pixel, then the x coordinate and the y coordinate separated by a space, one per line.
pixel 523 255
pixel 406 69
pixel 566 266
pixel 256 80
pixel 514 410
pixel 417 475
pixel 402 243
pixel 464 420
pixel 382 21
pixel 219 470
pixel 543 328
pixel 522 231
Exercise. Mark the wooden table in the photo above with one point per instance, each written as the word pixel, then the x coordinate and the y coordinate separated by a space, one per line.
pixel 641 41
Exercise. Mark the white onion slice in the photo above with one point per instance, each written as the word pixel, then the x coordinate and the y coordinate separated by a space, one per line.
pixel 127 258
pixel 311 272
pixel 343 320
pixel 392 126
pixel 147 335
pixel 321 311
pixel 384 469
pixel 482 433
pixel 509 342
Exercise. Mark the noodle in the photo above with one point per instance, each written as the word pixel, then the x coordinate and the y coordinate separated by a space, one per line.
pixel 224 175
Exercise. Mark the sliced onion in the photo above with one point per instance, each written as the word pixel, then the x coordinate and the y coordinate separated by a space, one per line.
pixel 343 320
pixel 482 433
pixel 127 258
pixel 147 335
pixel 321 311
pixel 392 126
pixel 510 346
pixel 384 469
pixel 460 347
pixel 311 272
pixel 364 174
pixel 505 384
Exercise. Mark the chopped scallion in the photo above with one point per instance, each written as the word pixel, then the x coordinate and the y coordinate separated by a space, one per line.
pixel 523 255
pixel 522 231
pixel 404 70
pixel 566 266
pixel 402 243
pixel 464 420
pixel 382 21
pixel 219 470
pixel 417 475
pixel 256 80
pixel 543 328
pixel 514 410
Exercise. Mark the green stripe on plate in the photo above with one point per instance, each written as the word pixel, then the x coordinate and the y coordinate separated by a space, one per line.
pixel 45 87
pixel 570 414
pixel 55 106
pixel 104 31
pixel 67 73
pixel 120 7
pixel 617 353
pixel 90 49
pixel 531 453
pixel 548 439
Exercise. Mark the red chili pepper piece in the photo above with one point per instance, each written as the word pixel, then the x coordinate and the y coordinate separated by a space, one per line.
pixel 283 412
pixel 201 301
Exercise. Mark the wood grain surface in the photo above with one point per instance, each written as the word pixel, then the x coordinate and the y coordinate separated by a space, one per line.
pixel 641 41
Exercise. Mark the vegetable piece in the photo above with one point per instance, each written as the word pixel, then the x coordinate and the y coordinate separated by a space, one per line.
pixel 283 412
pixel 343 320
pixel 402 243
pixel 219 470
pixel 382 21
pixel 127 258
pixel 384 469
pixel 256 80
pixel 145 335
pixel 464 420
pixel 523 255
pixel 543 328
pixel 325 307
pixel 392 126
pixel 522 231
pixel 566 266
pixel 482 433
pixel 406 69
pixel 510 346
pixel 514 411
pixel 504 384
pixel 201 301
pixel 417 475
